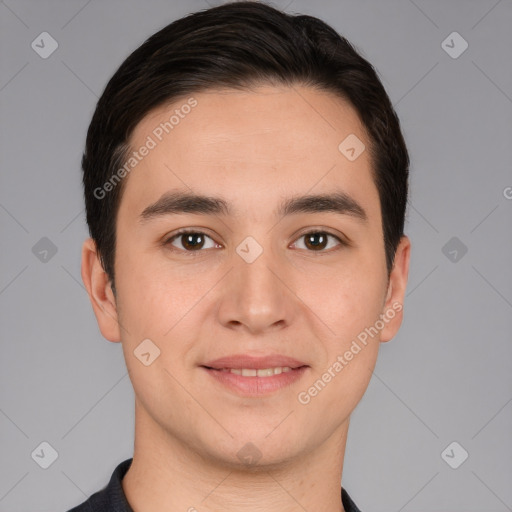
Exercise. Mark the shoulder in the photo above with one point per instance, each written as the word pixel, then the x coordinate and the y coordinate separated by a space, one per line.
pixel 110 498
pixel 348 503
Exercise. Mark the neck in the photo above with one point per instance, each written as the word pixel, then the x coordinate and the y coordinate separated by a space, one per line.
pixel 168 474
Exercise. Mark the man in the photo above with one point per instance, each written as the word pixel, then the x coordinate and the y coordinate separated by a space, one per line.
pixel 246 183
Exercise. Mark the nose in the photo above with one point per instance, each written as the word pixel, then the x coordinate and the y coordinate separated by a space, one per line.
pixel 255 296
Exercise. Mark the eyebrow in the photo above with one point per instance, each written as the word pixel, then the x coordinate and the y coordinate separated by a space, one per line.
pixel 184 202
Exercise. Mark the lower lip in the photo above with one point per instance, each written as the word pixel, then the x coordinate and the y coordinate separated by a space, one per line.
pixel 256 386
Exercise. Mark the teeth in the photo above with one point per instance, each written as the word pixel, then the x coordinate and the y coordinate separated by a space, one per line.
pixel 252 372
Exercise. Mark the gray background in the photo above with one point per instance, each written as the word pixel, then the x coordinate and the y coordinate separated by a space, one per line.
pixel 445 377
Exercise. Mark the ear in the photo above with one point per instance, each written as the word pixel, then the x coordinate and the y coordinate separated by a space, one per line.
pixel 99 288
pixel 392 313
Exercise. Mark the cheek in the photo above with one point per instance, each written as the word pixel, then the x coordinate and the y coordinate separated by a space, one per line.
pixel 346 299
pixel 141 289
pixel 351 347
pixel 156 294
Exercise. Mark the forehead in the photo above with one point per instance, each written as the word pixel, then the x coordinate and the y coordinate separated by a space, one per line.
pixel 249 145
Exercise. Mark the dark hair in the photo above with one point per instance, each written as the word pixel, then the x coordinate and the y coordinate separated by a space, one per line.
pixel 239 45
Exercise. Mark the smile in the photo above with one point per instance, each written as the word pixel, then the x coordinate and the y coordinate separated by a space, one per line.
pixel 252 372
pixel 254 382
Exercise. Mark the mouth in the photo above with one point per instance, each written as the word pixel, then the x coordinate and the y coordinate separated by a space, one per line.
pixel 257 372
pixel 254 362
pixel 256 382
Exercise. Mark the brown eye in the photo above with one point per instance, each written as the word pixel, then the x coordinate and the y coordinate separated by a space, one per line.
pixel 190 241
pixel 315 240
pixel 318 241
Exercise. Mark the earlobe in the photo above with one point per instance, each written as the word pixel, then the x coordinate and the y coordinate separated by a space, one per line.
pixel 98 286
pixel 392 313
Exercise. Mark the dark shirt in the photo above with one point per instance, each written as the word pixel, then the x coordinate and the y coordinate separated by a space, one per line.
pixel 112 498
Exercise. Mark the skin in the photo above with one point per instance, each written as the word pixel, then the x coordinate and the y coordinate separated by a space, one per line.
pixel 253 148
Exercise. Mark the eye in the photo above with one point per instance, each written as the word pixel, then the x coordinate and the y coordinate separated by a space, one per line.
pixel 317 241
pixel 190 241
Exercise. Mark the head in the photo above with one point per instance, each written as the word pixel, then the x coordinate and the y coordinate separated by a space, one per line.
pixel 249 106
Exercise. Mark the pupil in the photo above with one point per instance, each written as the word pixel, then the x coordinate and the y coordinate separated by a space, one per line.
pixel 191 242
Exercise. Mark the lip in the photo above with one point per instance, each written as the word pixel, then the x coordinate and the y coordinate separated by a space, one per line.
pixel 254 362
pixel 256 386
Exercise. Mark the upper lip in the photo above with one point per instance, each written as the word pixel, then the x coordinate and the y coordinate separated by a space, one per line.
pixel 254 362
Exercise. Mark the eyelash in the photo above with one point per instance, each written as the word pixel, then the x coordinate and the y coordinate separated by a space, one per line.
pixel 167 241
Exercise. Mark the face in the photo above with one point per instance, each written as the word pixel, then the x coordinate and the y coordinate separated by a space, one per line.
pixel 261 272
